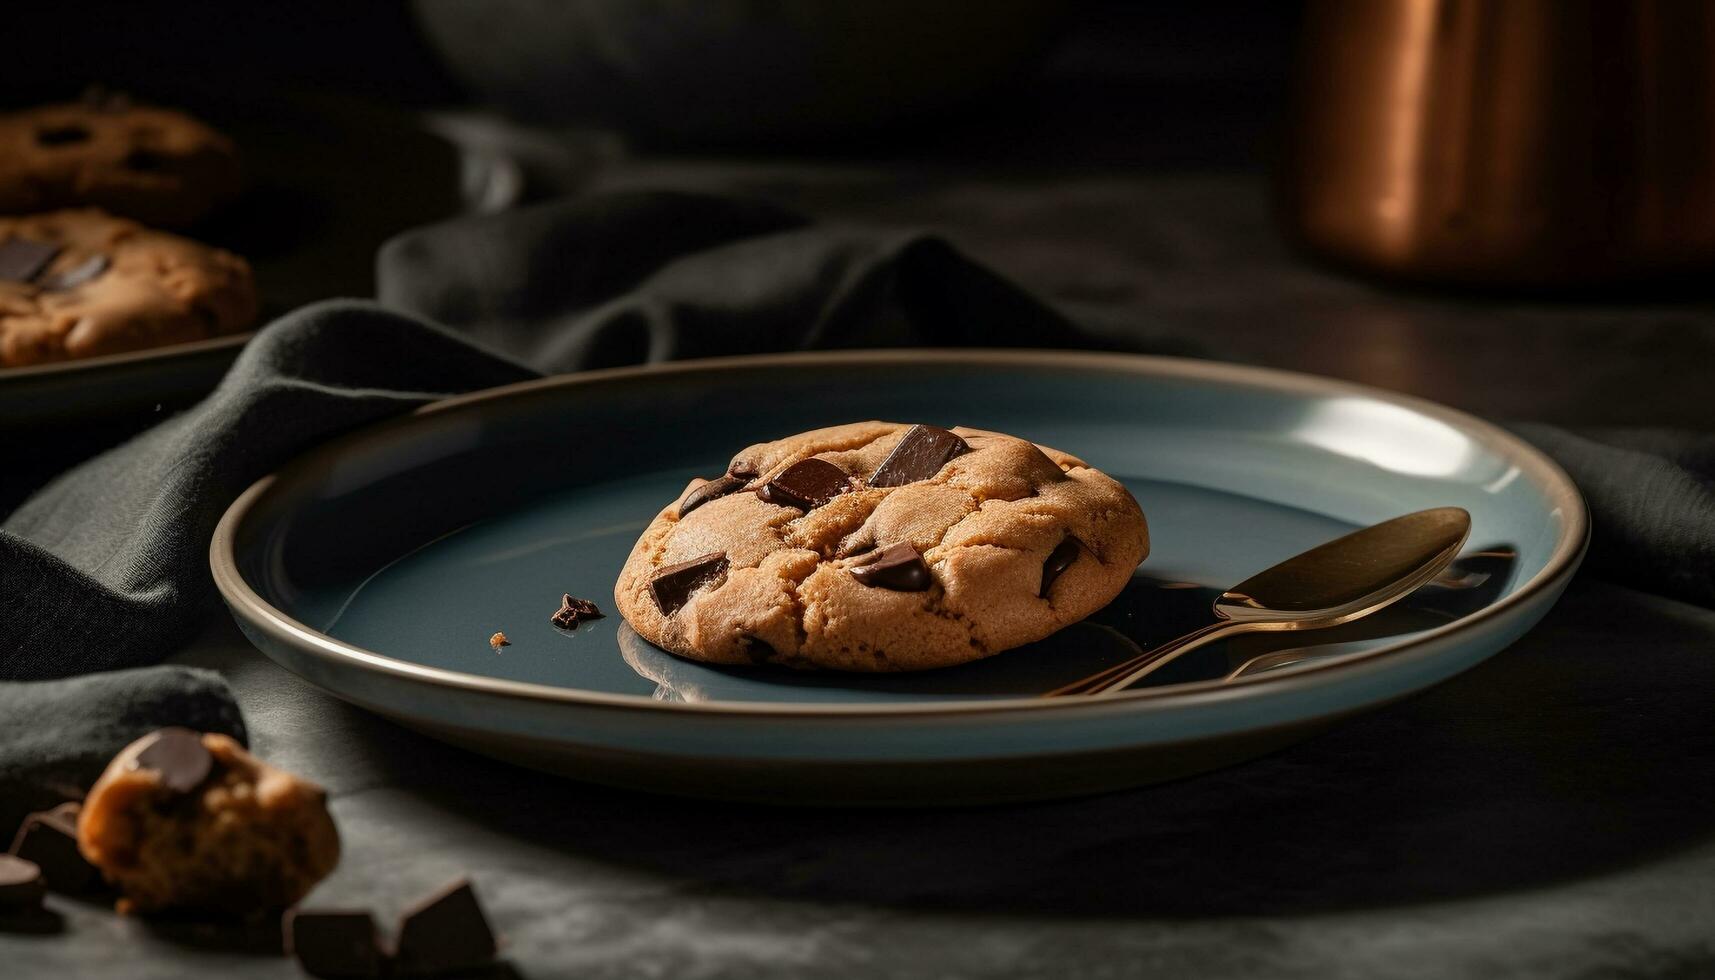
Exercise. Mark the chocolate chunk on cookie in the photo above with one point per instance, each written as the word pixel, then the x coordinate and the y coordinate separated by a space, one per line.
pixel 921 453
pixel 157 165
pixel 674 585
pixel 23 259
pixel 711 490
pixel 899 568
pixel 1058 560
pixel 82 283
pixel 880 546
pixel 806 484
pixel 176 756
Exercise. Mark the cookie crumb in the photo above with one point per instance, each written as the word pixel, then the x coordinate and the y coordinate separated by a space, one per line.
pixel 499 640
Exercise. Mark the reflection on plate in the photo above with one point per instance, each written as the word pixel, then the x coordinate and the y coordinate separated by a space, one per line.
pixel 1474 581
pixel 1085 647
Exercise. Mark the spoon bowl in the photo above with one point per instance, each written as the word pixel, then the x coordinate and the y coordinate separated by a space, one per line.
pixel 1345 579
pixel 1351 576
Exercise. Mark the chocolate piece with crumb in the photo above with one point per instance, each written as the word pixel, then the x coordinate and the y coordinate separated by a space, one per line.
pixel 573 611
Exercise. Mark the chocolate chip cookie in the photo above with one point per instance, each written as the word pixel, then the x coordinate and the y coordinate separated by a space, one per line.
pixel 187 820
pixel 159 166
pixel 881 546
pixel 81 284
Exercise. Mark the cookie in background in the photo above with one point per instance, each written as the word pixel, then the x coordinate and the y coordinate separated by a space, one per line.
pixel 81 283
pixel 160 166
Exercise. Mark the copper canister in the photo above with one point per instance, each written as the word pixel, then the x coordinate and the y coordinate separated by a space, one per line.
pixel 1506 142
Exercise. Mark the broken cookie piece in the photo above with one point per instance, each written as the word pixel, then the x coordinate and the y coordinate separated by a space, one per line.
pixel 184 820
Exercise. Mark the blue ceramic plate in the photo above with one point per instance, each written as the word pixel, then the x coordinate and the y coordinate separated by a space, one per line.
pixel 378 567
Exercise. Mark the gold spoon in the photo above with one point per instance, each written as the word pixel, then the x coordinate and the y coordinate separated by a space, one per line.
pixel 1333 583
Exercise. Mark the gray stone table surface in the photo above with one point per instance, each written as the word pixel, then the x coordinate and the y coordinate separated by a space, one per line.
pixel 1549 813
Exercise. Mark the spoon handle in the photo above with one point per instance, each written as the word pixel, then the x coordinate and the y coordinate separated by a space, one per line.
pixel 1123 675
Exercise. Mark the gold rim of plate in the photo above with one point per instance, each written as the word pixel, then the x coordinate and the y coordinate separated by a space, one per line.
pixel 1556 484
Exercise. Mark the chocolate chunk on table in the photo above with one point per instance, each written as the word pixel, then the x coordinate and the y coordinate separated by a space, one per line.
pixel 806 484
pixel 49 839
pixel 920 454
pixel 674 585
pixel 445 932
pixel 898 567
pixel 574 611
pixel 335 942
pixel 714 489
pixel 22 260
pixel 21 886
pixel 1060 559
pixel 178 755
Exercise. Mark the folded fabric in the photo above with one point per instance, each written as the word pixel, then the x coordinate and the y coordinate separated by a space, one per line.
pixel 1651 494
pixel 57 736
pixel 106 567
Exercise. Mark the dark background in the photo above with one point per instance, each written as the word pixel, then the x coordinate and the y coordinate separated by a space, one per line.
pixel 1126 178
pixel 1546 814
pixel 1128 84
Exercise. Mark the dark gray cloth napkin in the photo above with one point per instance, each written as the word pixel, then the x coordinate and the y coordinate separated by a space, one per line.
pixel 106 568
pixel 1651 494
pixel 57 736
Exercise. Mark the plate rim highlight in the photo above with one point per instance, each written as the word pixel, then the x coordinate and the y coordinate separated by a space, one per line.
pixel 256 612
